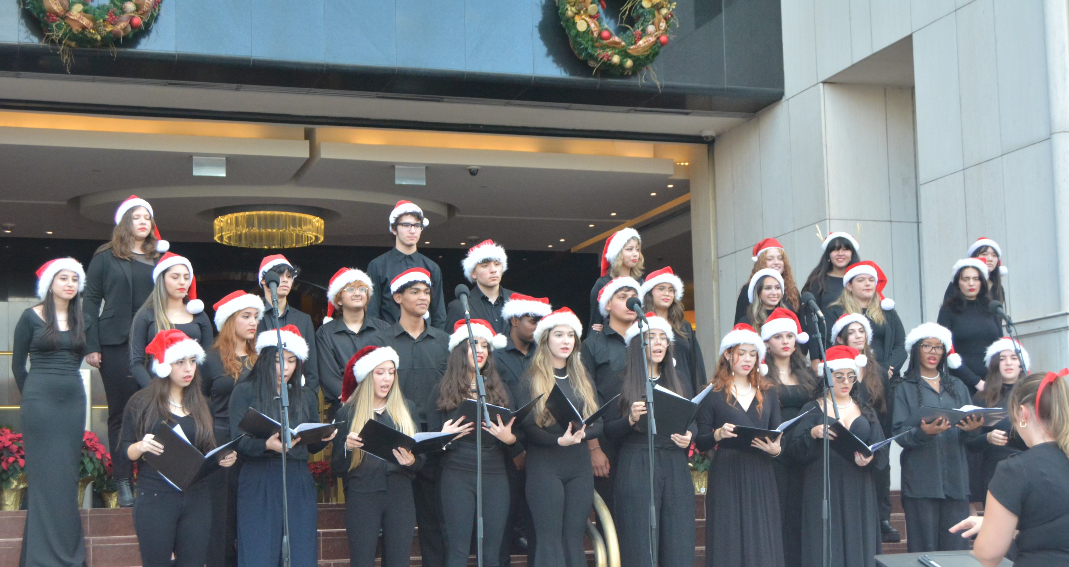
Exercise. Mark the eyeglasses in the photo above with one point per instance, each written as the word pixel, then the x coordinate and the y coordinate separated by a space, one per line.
pixel 351 289
pixel 931 349
pixel 407 225
pixel 848 379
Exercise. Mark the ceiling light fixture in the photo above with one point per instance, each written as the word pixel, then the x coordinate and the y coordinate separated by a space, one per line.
pixel 591 226
pixel 670 185
pixel 612 214
pixel 269 229
pixel 653 194
pixel 562 240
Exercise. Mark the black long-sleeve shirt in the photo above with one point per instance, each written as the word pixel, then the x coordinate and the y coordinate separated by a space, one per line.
pixel 336 343
pixel 217 386
pixel 511 364
pixel 303 322
pixel 480 307
pixel 461 454
pixel 547 436
pixel 372 473
pixel 973 329
pixel 148 478
pixel 422 363
pixel 244 397
pixel 715 411
pixel 618 425
pixel 604 355
pixel 143 330
pixel 831 287
pixel 385 268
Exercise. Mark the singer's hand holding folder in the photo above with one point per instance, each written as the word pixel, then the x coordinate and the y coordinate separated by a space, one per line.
pixel 846 443
pixel 182 464
pixel 380 440
pixel 564 412
pixel 469 409
pixel 744 435
pixel 673 412
pixel 929 414
pixel 262 427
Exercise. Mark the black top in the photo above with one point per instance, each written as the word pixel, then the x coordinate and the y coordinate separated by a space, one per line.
pixel 888 339
pixel 992 455
pixel 804 449
pixel 715 412
pixel 301 320
pixel 250 447
pixel 595 311
pixel 148 478
pixel 423 361
pixel 460 454
pixel 604 355
pixel 336 343
pixel 932 467
pixel 690 364
pixel 480 307
pixel 143 330
pixel 217 386
pixel 28 342
pixel 547 436
pixel 372 473
pixel 618 425
pixel 832 289
pixel 511 364
pixel 1034 485
pixel 385 268
pixel 973 329
pixel 122 286
pixel 791 400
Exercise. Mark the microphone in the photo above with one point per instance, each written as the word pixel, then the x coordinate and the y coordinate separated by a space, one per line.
pixel 635 305
pixel 996 307
pixel 809 301
pixel 271 282
pixel 461 291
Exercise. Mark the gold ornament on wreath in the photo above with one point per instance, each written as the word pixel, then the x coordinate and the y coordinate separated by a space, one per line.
pixel 608 52
pixel 80 23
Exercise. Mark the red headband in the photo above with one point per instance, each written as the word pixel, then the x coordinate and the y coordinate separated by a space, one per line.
pixel 1049 378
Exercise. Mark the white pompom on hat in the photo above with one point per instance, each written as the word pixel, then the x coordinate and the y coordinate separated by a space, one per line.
pixel 782 320
pixel 170 260
pixel 481 252
pixel 47 272
pixel 482 329
pixel 134 201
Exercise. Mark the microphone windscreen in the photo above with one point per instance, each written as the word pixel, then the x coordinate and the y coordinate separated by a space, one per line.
pixel 461 290
pixel 270 278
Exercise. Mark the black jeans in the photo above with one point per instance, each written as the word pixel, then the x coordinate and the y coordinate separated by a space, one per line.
pixel 119 385
pixel 391 512
pixel 173 522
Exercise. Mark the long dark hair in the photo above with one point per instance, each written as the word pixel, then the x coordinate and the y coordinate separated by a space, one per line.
pixel 264 376
pixel 801 370
pixel 993 382
pixel 956 299
pixel 634 375
pixel 122 238
pixel 913 372
pixel 455 386
pixel 870 374
pixel 995 277
pixel 815 282
pixel 867 410
pixel 75 323
pixel 155 408
pixel 676 314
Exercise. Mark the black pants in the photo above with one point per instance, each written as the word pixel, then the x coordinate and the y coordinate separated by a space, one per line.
pixel 928 522
pixel 392 512
pixel 882 478
pixel 519 523
pixel 560 492
pixel 119 385
pixel 673 496
pixel 457 488
pixel 173 522
pixel 222 545
pixel 428 515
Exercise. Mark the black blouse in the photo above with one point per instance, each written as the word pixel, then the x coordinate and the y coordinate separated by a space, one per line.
pixel 217 386
pixel 1034 485
pixel 715 412
pixel 372 473
pixel 973 329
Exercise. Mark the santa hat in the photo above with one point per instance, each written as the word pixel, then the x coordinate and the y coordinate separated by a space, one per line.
pixel 482 329
pixel 362 363
pixel 408 276
pixel 1003 344
pixel 664 275
pixel 848 319
pixel 655 324
pixel 562 316
pixel 980 265
pixel 481 252
pixel 842 357
pixel 870 268
pixel 933 331
pixel 844 235
pixel 292 341
pixel 270 262
pixel 170 346
pixel 47 272
pixel 406 208
pixel 614 245
pixel 237 301
pixel 985 241
pixel 765 245
pixel 743 334
pixel 338 281
pixel 519 305
pixel 760 274
pixel 135 201
pixel 611 288
pixel 170 260
pixel 783 321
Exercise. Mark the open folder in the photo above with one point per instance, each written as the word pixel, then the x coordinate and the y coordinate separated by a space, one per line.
pixel 564 412
pixel 262 427
pixel 673 413
pixel 744 435
pixel 380 440
pixel 954 416
pixel 469 408
pixel 182 464
pixel 846 443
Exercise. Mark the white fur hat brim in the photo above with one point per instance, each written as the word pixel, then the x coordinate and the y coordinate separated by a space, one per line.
pixel 616 245
pixel 849 319
pixel 347 278
pixel 482 254
pixel 980 243
pixel 610 290
pixel 656 324
pixel 671 279
pixel 742 337
pixel 363 367
pixel 400 282
pixel 290 342
pixel 521 307
pixel 856 364
pixel 765 272
pixel 247 301
pixel 844 235
pixel 493 340
pixel 1005 344
pixel 549 322
pixel 407 209
pixel 936 331
pixel 130 204
pixel 178 351
pixel 44 283
pixel 783 325
pixel 977 263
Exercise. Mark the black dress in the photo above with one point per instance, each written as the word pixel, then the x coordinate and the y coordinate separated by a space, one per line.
pixel 743 524
pixel 854 534
pixel 988 456
pixel 1034 485
pixel 789 473
pixel 974 328
pixel 53 421
pixel 690 364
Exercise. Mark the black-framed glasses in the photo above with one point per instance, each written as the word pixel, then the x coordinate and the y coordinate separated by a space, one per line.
pixel 932 349
pixel 418 225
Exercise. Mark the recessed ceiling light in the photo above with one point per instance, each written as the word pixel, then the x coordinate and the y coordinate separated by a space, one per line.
pixel 7 231
pixel 463 243
pixel 670 185
pixel 551 246
pixel 591 226
pixel 48 232
pixel 612 214
pixel 653 194
pixel 427 242
pixel 562 240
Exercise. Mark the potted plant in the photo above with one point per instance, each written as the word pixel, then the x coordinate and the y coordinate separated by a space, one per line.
pixel 323 477
pixel 105 485
pixel 699 469
pixel 93 465
pixel 12 473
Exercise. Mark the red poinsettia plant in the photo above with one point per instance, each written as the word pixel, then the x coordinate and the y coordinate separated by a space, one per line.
pixel 321 473
pixel 105 482
pixel 699 461
pixel 93 457
pixel 12 456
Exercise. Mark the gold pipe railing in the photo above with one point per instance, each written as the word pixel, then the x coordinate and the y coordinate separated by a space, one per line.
pixel 605 543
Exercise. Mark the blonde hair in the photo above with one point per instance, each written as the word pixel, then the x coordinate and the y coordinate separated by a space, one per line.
pixel 224 344
pixel 363 403
pixel 1053 405
pixel 850 305
pixel 618 262
pixel 541 379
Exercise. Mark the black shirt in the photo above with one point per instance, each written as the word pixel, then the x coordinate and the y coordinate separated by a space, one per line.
pixel 547 436
pixel 336 343
pixel 371 475
pixel 461 454
pixel 604 355
pixel 1034 485
pixel 217 385
pixel 511 364
pixel 385 268
pixel 244 397
pixel 973 329
pixel 148 478
pixel 301 320
pixel 479 307
pixel 422 363
pixel 618 424
pixel 715 411
pixel 831 289
pixel 143 330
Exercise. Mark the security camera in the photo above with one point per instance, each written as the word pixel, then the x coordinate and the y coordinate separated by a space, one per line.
pixel 473 170
pixel 708 135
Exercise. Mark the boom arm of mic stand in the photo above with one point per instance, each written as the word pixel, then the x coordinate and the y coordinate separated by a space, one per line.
pixel 1016 336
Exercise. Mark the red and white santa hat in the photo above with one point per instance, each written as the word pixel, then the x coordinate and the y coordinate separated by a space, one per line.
pixel 842 357
pixel 655 323
pixel 933 331
pixel 519 305
pixel 408 276
pixel 868 267
pixel 848 319
pixel 292 341
pixel 339 280
pixel 47 272
pixel 764 272
pixel 481 252
pixel 234 302
pixel 783 320
pixel 743 334
pixel 562 316
pixel 1006 343
pixel 844 235
pixel 135 201
pixel 985 241
pixel 406 208
pixel 611 288
pixel 170 346
pixel 170 260
pixel 614 245
pixel 980 265
pixel 362 363
pixel 658 277
pixel 765 244
pixel 482 329
pixel 270 262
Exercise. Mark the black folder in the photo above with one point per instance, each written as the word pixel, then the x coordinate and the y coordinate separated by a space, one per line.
pixel 745 435
pixel 954 416
pixel 380 440
pixel 846 443
pixel 674 412
pixel 564 412
pixel 468 409
pixel 262 427
pixel 182 464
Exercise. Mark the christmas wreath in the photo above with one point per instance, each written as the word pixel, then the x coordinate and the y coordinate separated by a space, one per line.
pixel 78 23
pixel 608 52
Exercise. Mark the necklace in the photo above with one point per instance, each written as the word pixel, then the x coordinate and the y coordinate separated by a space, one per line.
pixel 565 377
pixel 170 401
pixel 379 410
pixel 930 379
pixel 749 390
pixel 848 405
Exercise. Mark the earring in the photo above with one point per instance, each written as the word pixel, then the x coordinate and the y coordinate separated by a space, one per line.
pixel 1022 425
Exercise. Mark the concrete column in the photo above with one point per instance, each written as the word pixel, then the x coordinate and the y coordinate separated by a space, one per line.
pixel 1056 21
pixel 703 242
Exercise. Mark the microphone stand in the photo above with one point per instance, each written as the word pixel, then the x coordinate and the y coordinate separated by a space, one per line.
pixel 480 386
pixel 825 508
pixel 651 430
pixel 287 441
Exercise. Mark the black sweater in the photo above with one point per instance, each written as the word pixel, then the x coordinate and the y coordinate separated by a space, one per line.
pixel 973 329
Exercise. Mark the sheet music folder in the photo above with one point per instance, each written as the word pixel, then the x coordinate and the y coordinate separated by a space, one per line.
pixel 182 464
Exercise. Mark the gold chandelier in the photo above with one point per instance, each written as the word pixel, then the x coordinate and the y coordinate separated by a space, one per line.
pixel 268 229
